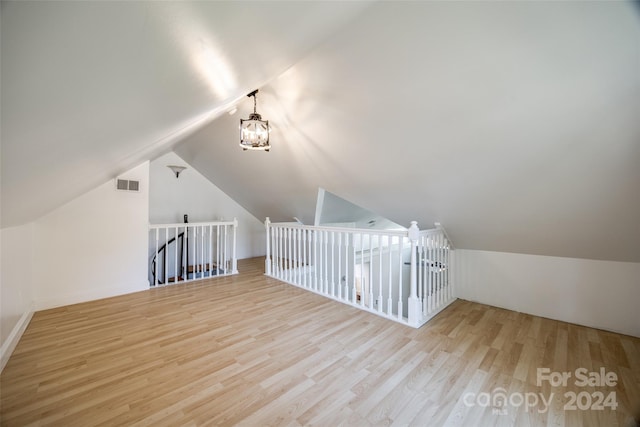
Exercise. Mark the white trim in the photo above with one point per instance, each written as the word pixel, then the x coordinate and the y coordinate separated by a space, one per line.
pixel 319 205
pixel 9 345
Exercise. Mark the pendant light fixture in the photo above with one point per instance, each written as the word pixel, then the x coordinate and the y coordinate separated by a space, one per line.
pixel 254 132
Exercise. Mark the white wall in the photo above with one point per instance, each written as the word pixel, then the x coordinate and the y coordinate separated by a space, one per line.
pixel 196 196
pixel 95 246
pixel 16 293
pixel 600 294
pixel 498 92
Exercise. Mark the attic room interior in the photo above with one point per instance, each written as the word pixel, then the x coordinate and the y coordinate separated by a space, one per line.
pixel 481 158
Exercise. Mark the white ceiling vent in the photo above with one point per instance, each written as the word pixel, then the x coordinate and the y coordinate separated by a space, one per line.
pixel 127 185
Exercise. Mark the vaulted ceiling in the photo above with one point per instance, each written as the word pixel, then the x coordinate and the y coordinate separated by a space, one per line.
pixel 93 88
pixel 515 125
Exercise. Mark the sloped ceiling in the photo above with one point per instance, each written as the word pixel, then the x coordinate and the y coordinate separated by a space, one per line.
pixel 333 210
pixel 92 88
pixel 514 124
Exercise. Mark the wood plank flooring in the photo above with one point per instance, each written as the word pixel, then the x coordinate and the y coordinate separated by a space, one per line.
pixel 249 350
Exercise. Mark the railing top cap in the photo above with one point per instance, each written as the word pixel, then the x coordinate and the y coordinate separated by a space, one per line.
pixel 402 233
pixel 339 229
pixel 190 224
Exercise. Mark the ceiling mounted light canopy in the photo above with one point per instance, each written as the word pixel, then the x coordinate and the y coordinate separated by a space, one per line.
pixel 254 132
pixel 176 169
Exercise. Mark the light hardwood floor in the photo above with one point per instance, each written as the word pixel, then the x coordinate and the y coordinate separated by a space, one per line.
pixel 250 350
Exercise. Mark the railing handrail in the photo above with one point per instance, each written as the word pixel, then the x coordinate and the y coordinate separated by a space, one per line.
pixel 430 231
pixel 401 233
pixel 440 227
pixel 190 224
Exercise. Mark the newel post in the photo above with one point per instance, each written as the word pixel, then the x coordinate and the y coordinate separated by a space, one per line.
pixel 267 261
pixel 234 266
pixel 415 315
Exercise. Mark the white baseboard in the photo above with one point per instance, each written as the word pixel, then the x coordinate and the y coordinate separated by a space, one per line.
pixel 14 337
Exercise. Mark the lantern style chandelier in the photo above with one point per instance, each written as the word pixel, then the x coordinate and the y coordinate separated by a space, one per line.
pixel 254 132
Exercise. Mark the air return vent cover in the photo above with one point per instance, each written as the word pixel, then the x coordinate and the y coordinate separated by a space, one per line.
pixel 127 185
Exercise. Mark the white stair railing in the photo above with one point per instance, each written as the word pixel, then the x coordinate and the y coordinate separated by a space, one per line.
pixel 434 265
pixel 191 251
pixel 399 274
